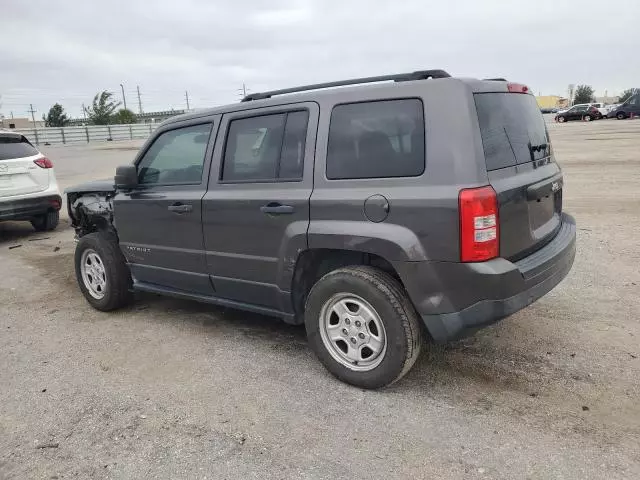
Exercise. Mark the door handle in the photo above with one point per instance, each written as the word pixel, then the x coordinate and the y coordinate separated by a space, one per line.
pixel 180 208
pixel 277 209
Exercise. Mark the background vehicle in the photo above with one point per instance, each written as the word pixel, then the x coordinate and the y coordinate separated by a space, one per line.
pixel 28 187
pixel 625 110
pixel 319 205
pixel 578 112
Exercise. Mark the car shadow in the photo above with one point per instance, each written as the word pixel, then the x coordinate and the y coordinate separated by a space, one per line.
pixel 12 234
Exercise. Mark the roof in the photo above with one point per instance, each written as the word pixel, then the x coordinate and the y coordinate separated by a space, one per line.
pixel 316 92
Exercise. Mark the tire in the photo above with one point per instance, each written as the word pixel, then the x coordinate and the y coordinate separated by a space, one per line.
pixel 562 119
pixel 373 291
pixel 113 289
pixel 46 222
pixel 588 118
pixel 621 116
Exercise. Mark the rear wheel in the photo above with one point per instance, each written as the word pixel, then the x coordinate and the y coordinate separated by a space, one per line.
pixel 621 116
pixel 102 273
pixel 46 222
pixel 562 119
pixel 362 326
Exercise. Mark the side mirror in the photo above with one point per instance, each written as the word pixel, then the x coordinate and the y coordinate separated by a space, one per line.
pixel 126 177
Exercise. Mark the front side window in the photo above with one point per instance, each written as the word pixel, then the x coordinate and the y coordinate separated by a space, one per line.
pixel 265 148
pixel 176 157
pixel 376 139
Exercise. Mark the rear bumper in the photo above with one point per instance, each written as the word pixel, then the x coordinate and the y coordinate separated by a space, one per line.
pixel 27 208
pixel 463 297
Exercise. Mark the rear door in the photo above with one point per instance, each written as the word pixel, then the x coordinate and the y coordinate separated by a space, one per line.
pixel 256 210
pixel 19 174
pixel 522 170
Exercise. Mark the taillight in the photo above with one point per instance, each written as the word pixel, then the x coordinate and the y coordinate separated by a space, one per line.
pixel 479 240
pixel 43 162
pixel 517 88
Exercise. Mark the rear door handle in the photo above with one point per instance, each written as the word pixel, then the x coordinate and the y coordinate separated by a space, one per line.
pixel 180 208
pixel 277 209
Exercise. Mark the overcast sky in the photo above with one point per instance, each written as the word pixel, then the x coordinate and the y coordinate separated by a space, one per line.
pixel 65 51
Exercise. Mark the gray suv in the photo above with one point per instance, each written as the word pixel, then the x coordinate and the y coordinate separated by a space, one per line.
pixel 399 207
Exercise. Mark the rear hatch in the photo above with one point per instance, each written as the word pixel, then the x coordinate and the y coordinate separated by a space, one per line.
pixel 19 175
pixel 521 169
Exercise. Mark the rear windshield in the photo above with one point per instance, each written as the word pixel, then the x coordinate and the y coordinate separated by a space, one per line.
pixel 15 147
pixel 512 129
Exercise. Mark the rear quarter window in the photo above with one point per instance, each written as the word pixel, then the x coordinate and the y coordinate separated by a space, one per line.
pixel 376 140
pixel 16 147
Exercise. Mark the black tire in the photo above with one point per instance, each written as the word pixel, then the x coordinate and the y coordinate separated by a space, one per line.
pixel 117 292
pixel 397 314
pixel 46 222
pixel 621 116
pixel 587 118
pixel 562 119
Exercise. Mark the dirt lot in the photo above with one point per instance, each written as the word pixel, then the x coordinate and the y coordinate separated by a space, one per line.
pixel 173 389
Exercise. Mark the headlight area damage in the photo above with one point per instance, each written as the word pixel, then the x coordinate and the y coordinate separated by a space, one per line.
pixel 91 212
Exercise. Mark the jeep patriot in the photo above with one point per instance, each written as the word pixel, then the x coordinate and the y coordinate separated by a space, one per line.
pixel 389 210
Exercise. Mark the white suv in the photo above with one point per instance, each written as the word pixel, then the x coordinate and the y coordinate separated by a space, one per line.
pixel 28 187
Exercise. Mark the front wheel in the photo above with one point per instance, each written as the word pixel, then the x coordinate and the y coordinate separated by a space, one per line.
pixel 621 116
pixel 562 119
pixel 102 272
pixel 362 326
pixel 588 118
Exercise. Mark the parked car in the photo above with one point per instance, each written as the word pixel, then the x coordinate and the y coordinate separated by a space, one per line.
pixel 584 112
pixel 602 108
pixel 377 215
pixel 28 187
pixel 626 109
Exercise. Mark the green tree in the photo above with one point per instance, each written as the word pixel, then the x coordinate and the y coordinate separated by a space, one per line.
pixel 101 112
pixel 124 115
pixel 584 94
pixel 625 95
pixel 56 117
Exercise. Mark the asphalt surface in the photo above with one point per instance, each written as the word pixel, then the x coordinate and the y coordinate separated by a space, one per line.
pixel 175 389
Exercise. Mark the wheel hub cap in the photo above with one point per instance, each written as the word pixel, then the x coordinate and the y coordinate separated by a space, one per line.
pixel 353 332
pixel 93 273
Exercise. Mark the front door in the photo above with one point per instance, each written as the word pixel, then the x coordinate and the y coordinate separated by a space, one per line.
pixel 256 210
pixel 159 223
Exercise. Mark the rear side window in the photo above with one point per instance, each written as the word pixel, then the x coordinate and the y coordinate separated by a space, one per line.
pixel 16 147
pixel 512 128
pixel 266 148
pixel 376 139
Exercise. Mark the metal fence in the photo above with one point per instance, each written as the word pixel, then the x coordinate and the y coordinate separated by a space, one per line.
pixel 92 133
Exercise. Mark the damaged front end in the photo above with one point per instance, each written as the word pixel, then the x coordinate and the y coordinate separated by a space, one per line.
pixel 90 211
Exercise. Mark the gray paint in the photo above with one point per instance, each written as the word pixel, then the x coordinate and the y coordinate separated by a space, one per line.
pixel 228 250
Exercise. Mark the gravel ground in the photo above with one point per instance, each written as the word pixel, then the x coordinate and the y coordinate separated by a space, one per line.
pixel 174 389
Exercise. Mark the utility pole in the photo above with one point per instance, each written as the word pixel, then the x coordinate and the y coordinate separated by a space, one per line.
pixel 186 95
pixel 124 99
pixel 32 114
pixel 84 112
pixel 243 91
pixel 11 115
pixel 139 100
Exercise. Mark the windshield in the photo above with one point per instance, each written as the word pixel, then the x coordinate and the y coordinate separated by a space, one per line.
pixel 15 147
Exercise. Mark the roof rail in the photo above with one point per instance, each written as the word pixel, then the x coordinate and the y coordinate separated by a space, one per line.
pixel 398 77
pixel 495 79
